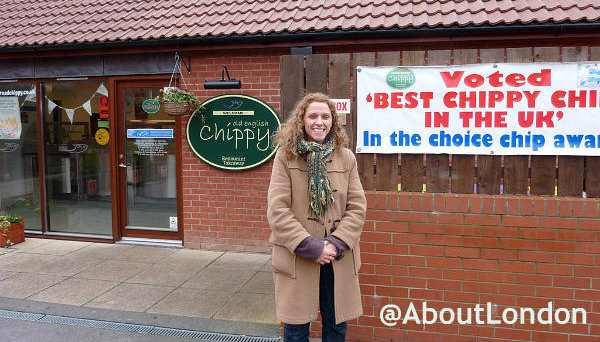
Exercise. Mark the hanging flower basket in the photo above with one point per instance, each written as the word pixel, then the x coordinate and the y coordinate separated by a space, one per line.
pixel 178 102
pixel 177 108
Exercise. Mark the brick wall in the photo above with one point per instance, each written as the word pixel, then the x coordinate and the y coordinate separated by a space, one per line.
pixel 449 250
pixel 222 209
pixel 459 250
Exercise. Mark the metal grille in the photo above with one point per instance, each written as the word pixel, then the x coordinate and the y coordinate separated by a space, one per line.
pixel 136 328
pixel 24 316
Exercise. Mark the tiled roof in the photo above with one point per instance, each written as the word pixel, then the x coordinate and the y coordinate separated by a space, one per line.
pixel 55 22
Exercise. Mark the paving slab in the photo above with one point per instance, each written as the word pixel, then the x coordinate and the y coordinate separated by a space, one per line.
pixel 102 250
pixel 6 274
pixel 131 297
pixel 267 267
pixel 191 303
pixel 30 243
pixel 198 258
pixel 217 278
pixel 255 307
pixel 67 265
pixel 144 254
pixel 5 251
pixel 24 262
pixel 113 270
pixel 23 285
pixel 261 282
pixel 57 247
pixel 74 291
pixel 242 261
pixel 166 274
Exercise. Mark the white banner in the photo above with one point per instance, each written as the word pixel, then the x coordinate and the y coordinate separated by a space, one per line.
pixel 10 118
pixel 503 109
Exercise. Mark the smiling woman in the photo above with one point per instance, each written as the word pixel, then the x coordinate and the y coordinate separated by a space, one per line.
pixel 317 121
pixel 316 210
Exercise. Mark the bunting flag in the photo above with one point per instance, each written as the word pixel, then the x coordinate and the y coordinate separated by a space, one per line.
pixel 102 90
pixel 31 96
pixel 70 113
pixel 51 106
pixel 87 105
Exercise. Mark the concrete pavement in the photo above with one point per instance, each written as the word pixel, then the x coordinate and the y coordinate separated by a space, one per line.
pixel 227 292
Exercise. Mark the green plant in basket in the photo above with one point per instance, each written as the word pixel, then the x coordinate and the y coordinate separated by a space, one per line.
pixel 172 95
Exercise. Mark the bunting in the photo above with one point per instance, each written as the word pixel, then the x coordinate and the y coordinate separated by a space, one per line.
pixel 86 105
pixel 70 113
pixel 102 90
pixel 30 96
pixel 51 106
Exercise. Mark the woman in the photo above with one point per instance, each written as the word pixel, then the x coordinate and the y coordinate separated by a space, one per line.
pixel 316 210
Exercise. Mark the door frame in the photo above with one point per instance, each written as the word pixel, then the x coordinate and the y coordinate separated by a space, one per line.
pixel 119 175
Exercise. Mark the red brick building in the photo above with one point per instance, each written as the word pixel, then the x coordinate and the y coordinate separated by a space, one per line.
pixel 78 73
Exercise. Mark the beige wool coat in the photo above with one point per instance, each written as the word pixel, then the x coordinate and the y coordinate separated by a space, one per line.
pixel 297 278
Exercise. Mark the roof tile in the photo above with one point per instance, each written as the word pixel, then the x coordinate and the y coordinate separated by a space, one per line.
pixel 47 22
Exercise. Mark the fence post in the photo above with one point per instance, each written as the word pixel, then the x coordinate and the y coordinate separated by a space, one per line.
pixel 463 165
pixel 364 160
pixel 339 86
pixel 316 74
pixel 291 71
pixel 412 172
pixel 438 165
pixel 543 168
pixel 516 168
pixel 387 164
pixel 489 167
pixel 571 169
pixel 592 164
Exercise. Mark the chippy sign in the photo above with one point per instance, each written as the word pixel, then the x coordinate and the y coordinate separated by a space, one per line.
pixel 507 109
pixel 233 132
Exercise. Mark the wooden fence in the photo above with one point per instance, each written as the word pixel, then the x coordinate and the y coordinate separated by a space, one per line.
pixel 335 74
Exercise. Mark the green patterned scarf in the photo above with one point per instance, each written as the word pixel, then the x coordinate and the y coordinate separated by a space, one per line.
pixel 319 187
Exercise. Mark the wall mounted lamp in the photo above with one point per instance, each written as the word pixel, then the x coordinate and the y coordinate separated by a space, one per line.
pixel 223 83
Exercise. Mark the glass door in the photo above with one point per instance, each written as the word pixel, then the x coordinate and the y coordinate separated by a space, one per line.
pixel 147 162
pixel 77 157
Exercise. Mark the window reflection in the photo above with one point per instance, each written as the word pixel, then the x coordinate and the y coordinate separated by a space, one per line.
pixel 151 176
pixel 77 157
pixel 19 177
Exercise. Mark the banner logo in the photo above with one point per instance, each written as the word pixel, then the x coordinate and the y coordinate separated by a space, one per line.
pixel 400 78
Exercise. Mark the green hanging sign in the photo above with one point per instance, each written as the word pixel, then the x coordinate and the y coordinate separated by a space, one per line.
pixel 151 106
pixel 233 132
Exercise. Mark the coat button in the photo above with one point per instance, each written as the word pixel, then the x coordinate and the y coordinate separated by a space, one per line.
pixel 328 221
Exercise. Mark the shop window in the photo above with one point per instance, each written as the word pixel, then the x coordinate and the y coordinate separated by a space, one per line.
pixel 19 173
pixel 77 157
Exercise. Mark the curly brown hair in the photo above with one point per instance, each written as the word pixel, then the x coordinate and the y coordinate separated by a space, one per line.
pixel 293 128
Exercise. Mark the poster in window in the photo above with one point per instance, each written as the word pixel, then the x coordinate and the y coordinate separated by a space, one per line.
pixel 10 118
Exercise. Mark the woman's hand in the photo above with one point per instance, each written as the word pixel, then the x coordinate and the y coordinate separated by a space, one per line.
pixel 329 253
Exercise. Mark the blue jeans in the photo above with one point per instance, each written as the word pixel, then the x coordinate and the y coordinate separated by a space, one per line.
pixel 331 332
